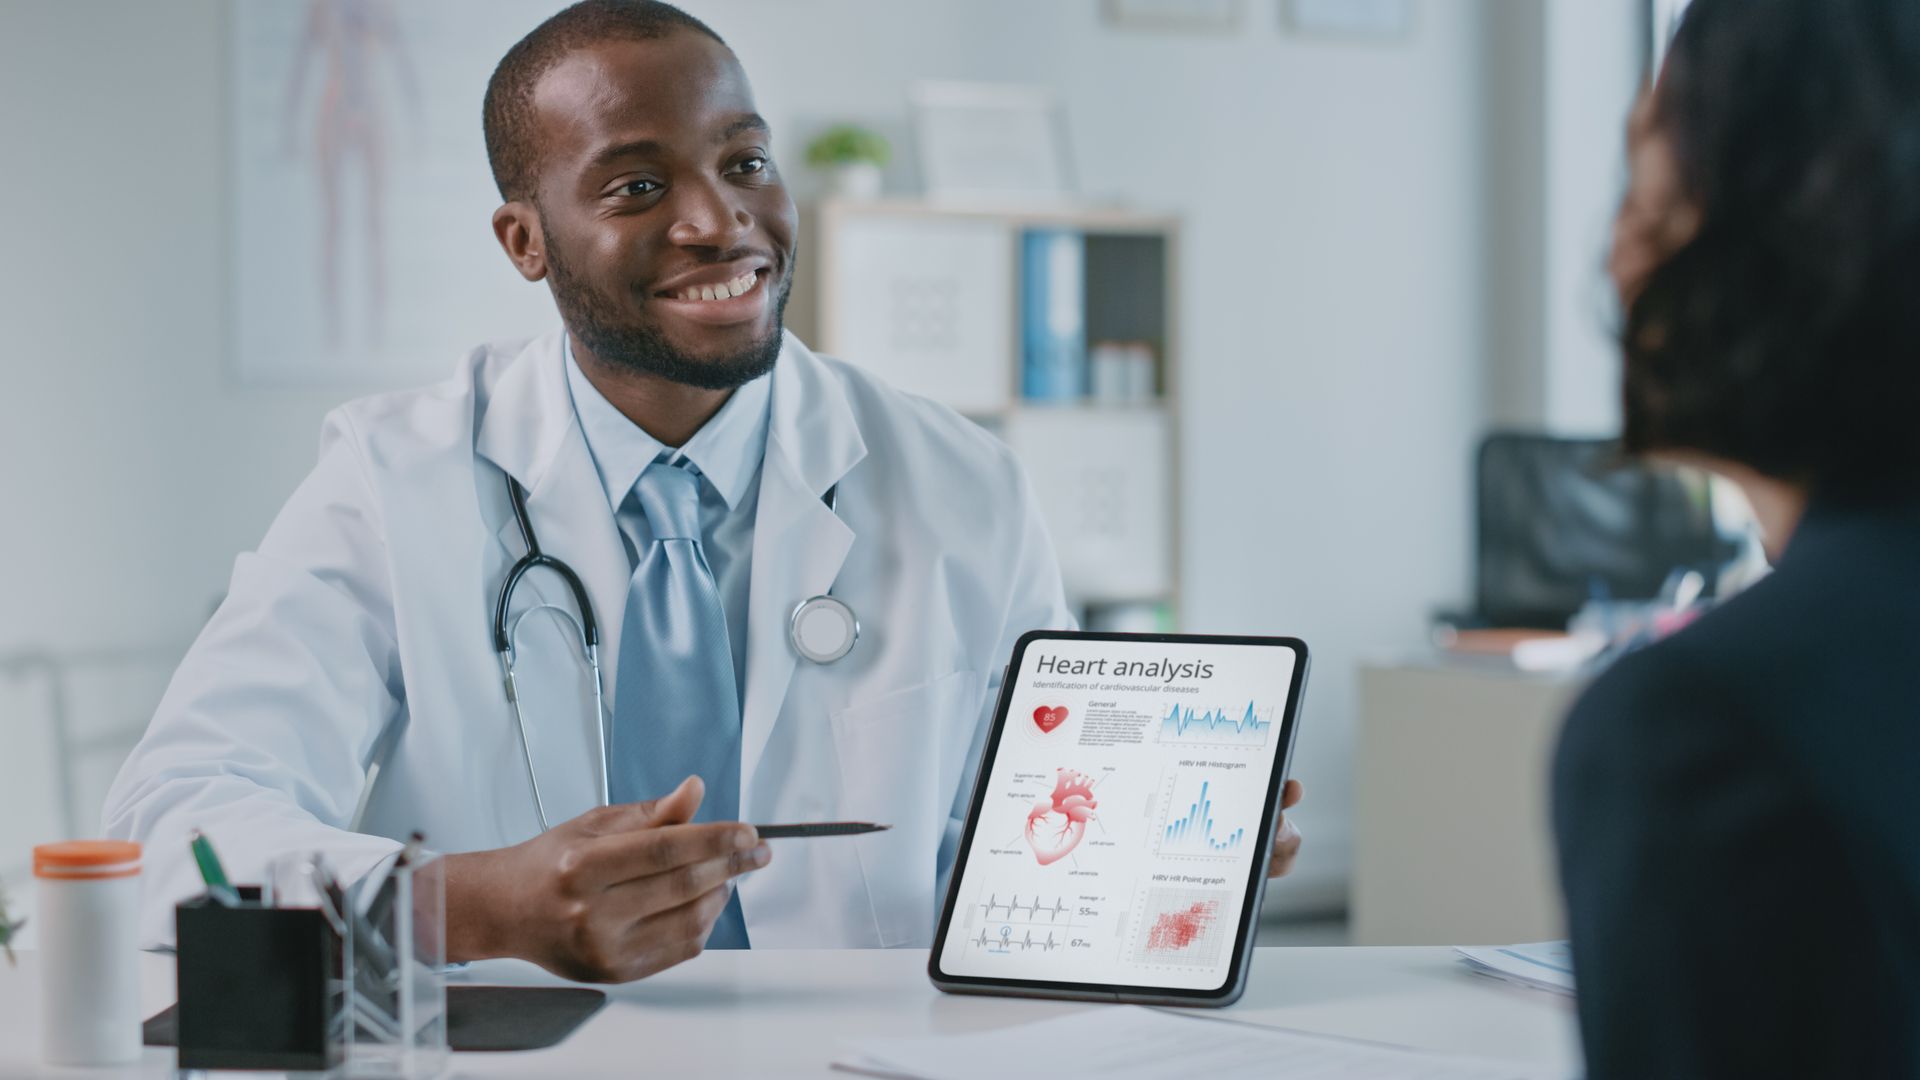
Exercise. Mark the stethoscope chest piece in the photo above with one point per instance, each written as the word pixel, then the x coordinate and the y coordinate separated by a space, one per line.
pixel 823 629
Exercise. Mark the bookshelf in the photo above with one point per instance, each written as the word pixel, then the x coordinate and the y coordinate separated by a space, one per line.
pixel 949 302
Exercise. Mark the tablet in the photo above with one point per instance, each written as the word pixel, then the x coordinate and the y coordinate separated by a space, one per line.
pixel 1117 844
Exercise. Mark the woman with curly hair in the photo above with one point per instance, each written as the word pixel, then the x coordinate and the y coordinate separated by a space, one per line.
pixel 1737 809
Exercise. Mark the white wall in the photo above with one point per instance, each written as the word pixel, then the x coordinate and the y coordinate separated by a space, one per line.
pixel 1595 55
pixel 134 469
pixel 1335 306
pixel 1561 77
pixel 1332 308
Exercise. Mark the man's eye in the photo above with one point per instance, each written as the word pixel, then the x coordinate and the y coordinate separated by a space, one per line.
pixel 752 165
pixel 639 187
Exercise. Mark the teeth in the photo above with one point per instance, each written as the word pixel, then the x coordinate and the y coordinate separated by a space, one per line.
pixel 727 290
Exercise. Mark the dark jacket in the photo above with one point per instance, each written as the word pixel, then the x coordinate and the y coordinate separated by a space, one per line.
pixel 1737 812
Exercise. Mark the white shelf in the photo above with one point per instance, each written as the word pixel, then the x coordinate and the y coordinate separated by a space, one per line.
pixel 928 296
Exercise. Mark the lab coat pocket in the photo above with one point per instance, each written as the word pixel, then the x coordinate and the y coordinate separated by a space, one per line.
pixel 890 749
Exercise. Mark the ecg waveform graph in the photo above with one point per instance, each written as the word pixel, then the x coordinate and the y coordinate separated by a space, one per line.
pixel 1005 942
pixel 1032 922
pixel 1033 910
pixel 1183 724
pixel 1196 825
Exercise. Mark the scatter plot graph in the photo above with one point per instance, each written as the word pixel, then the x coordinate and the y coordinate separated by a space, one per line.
pixel 1220 727
pixel 1185 927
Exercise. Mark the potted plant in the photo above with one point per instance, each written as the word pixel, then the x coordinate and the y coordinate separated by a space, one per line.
pixel 9 926
pixel 854 157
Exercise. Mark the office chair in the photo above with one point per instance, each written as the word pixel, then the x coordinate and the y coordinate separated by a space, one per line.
pixel 1561 521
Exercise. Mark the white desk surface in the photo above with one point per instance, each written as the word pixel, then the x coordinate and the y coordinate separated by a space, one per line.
pixel 784 1013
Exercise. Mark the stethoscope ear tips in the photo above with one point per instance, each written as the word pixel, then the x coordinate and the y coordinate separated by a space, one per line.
pixel 823 629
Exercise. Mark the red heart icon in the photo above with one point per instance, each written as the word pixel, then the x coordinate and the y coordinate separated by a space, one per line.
pixel 1047 719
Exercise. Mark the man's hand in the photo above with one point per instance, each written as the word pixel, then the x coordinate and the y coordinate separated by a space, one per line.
pixel 1286 837
pixel 616 894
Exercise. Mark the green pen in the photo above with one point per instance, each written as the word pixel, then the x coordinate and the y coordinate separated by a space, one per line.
pixel 218 887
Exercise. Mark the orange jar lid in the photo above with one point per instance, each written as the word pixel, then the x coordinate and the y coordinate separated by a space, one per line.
pixel 80 859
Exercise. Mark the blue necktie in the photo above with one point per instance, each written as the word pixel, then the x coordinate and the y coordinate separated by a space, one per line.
pixel 677 708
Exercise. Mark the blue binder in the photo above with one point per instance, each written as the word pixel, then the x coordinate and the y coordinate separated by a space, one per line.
pixel 1053 313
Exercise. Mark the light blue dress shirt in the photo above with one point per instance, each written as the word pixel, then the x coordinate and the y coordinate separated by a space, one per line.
pixel 728 451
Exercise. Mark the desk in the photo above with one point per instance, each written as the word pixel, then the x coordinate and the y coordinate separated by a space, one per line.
pixel 782 1014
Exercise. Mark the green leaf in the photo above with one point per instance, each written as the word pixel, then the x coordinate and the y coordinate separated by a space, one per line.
pixel 844 144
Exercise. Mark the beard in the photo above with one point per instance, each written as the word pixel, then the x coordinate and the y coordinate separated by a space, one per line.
pixel 602 325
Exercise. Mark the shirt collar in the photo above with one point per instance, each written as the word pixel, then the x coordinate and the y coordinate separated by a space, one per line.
pixel 727 449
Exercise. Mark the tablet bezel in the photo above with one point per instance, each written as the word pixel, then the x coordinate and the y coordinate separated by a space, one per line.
pixel 1229 990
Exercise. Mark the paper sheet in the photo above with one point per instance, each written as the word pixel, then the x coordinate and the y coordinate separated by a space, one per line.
pixel 1128 1042
pixel 1542 965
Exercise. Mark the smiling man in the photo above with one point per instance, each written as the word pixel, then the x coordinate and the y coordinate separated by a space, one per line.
pixel 662 481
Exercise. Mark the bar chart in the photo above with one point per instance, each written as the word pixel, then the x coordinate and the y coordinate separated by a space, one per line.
pixel 1196 820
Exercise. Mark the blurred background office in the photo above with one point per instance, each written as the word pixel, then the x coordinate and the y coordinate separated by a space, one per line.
pixel 1248 283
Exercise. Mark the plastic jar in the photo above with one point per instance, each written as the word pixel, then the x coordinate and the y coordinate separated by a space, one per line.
pixel 89 952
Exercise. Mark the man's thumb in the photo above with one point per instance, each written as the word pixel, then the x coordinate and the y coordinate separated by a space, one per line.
pixel 676 807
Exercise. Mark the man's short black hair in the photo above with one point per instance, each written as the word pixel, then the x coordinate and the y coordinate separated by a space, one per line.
pixel 508 112
pixel 1785 334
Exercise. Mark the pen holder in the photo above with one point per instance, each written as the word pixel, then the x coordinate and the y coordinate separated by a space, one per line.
pixel 260 987
pixel 399 957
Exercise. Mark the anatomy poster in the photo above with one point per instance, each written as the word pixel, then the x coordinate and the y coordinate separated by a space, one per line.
pixel 361 249
pixel 1122 814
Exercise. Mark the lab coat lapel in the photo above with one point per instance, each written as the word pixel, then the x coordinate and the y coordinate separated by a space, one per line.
pixel 530 430
pixel 799 544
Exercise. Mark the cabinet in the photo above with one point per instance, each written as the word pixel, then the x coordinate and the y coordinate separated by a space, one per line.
pixel 960 305
pixel 1451 841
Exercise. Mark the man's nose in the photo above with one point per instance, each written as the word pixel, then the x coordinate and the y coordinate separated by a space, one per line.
pixel 708 216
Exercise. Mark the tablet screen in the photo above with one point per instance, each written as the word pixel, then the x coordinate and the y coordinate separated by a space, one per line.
pixel 1115 837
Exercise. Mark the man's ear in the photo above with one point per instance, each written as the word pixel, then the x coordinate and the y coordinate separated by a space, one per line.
pixel 517 226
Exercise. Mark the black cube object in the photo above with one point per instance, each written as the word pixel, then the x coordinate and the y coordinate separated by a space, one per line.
pixel 259 987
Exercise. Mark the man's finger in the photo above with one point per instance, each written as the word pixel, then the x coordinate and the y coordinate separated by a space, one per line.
pixel 676 807
pixel 641 853
pixel 635 899
pixel 1290 794
pixel 1286 847
pixel 689 923
pixel 671 937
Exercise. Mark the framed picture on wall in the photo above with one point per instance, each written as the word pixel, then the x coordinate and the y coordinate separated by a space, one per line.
pixel 1386 20
pixel 991 142
pixel 359 246
pixel 1190 16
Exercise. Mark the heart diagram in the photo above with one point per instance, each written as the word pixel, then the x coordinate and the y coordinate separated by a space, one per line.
pixel 1056 825
pixel 1046 719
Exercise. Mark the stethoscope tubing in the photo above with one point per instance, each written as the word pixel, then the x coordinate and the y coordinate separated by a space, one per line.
pixel 504 636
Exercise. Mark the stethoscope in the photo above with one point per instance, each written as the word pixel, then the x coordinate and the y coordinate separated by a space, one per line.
pixel 822 629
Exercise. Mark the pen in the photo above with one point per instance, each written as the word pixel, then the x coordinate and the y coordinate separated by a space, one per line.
pixel 818 828
pixel 382 901
pixel 211 872
pixel 371 950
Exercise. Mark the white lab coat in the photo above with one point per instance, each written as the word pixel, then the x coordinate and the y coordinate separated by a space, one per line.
pixel 369 604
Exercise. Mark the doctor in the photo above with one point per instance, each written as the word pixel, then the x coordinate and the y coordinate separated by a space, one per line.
pixel 702 473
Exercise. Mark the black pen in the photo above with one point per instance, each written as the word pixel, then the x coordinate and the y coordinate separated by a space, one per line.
pixel 370 949
pixel 818 828
pixel 382 902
